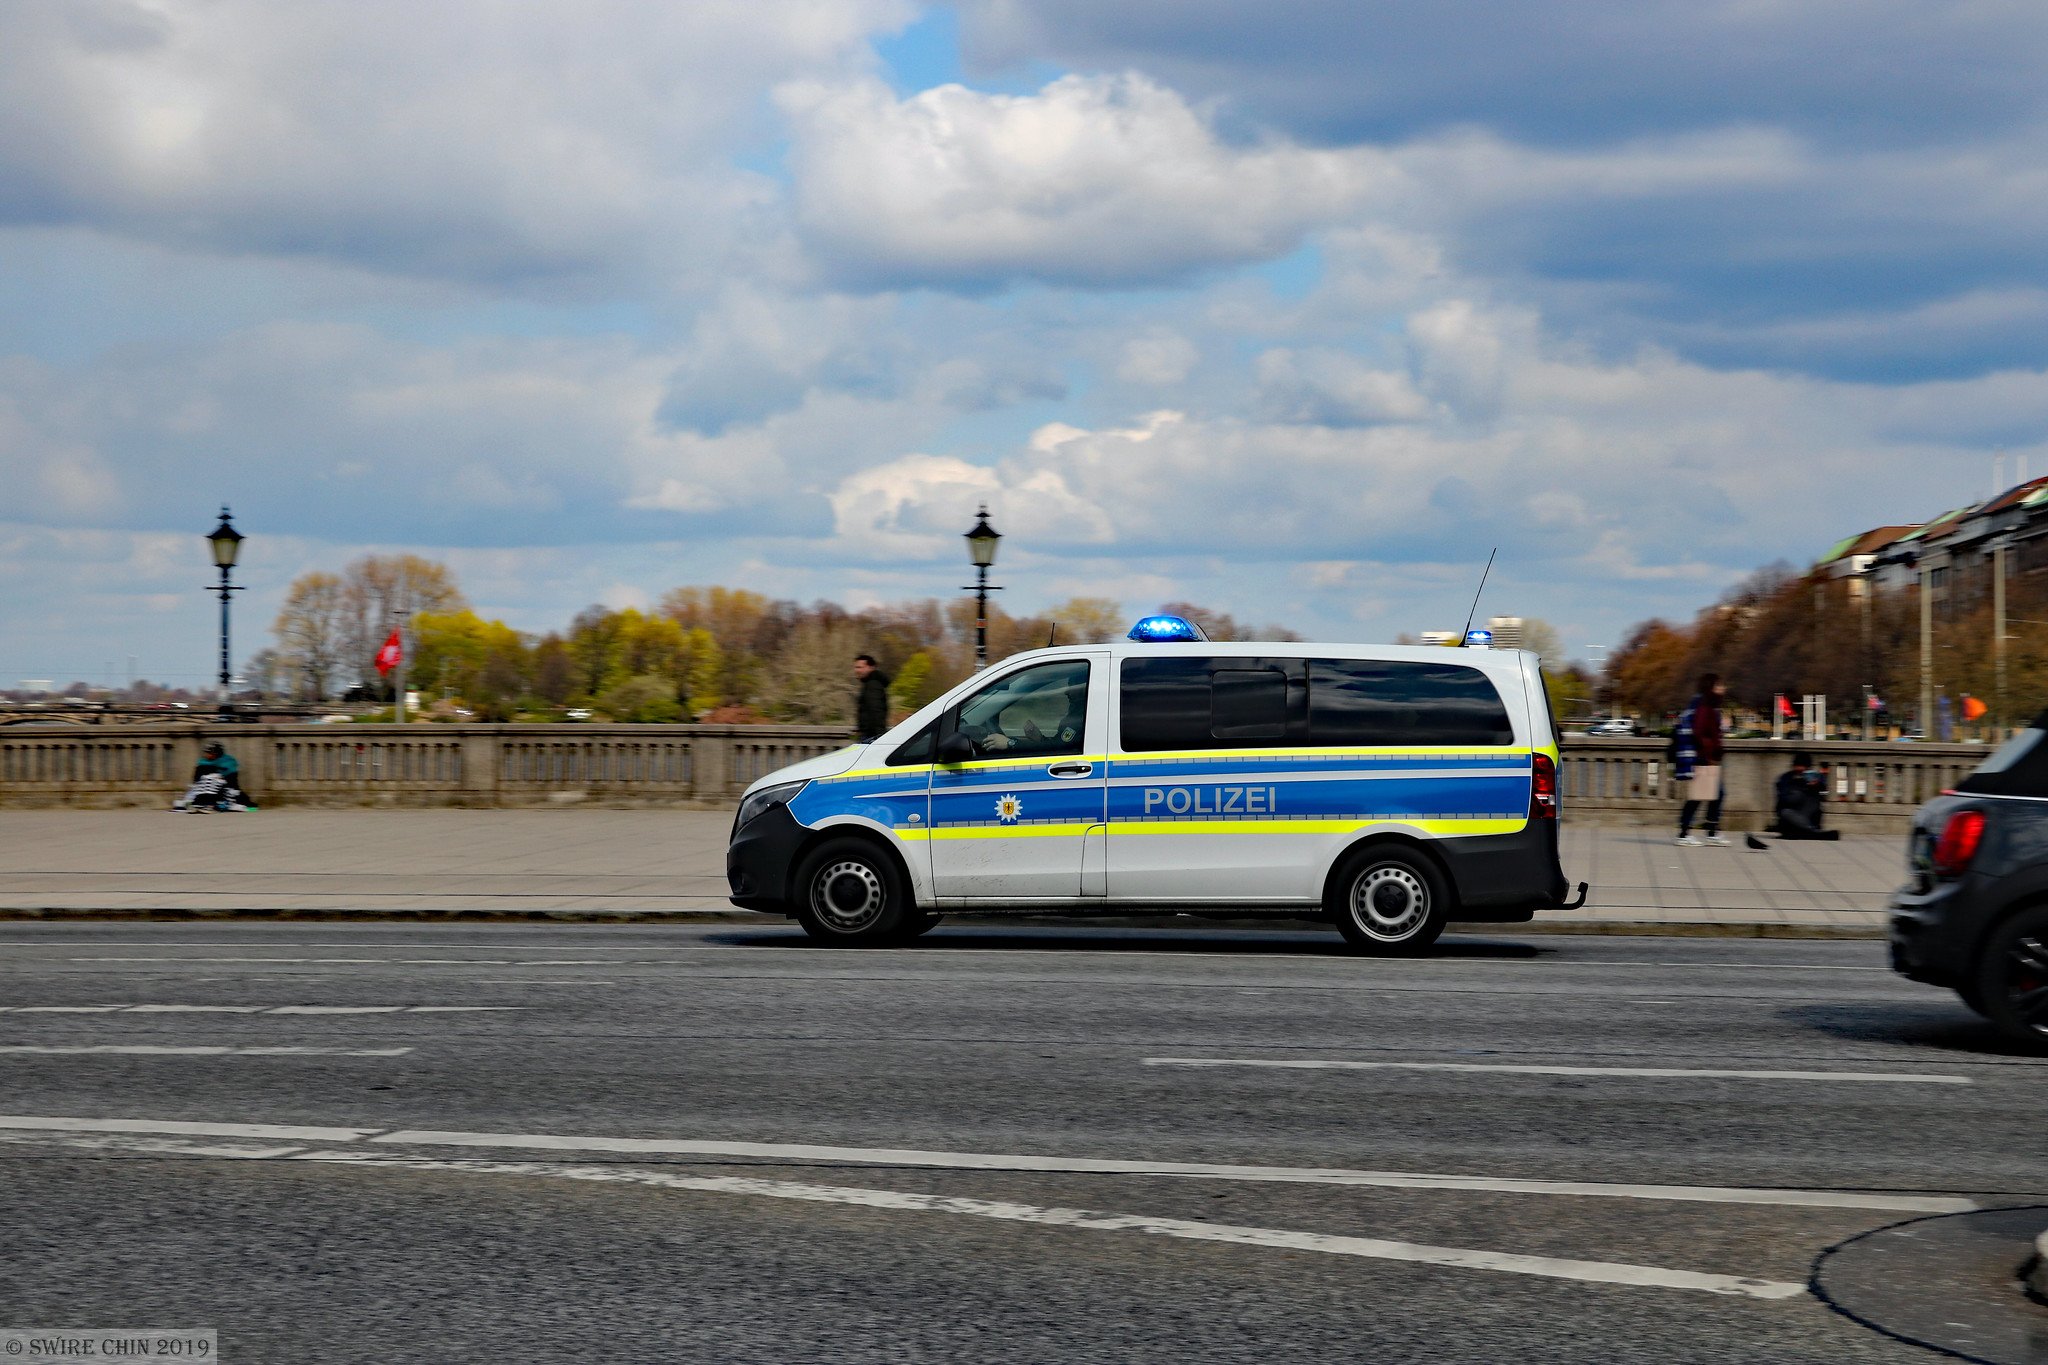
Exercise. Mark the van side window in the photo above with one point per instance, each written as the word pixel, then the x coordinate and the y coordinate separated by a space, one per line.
pixel 1247 703
pixel 1036 712
pixel 1359 702
pixel 917 749
pixel 1196 704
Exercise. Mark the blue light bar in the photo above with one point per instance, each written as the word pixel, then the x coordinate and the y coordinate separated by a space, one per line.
pixel 1154 630
pixel 1479 639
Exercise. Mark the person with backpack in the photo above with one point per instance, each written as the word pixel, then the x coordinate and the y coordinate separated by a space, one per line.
pixel 1696 761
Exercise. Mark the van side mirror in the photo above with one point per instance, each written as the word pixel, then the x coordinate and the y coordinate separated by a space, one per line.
pixel 956 748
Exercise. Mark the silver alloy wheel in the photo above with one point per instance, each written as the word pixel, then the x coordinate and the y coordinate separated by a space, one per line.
pixel 1389 902
pixel 849 896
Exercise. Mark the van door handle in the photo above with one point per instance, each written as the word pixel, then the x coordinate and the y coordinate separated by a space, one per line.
pixel 1071 769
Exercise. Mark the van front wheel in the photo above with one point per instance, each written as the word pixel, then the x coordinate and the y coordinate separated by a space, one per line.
pixel 1389 900
pixel 849 894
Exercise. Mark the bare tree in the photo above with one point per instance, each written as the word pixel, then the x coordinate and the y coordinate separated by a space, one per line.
pixel 313 634
pixel 377 588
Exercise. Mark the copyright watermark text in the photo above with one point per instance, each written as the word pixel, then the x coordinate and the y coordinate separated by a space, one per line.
pixel 103 1344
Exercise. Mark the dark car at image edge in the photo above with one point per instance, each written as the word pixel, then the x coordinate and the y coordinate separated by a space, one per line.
pixel 1974 916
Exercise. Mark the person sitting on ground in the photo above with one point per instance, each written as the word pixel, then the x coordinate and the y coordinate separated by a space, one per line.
pixel 1800 792
pixel 216 783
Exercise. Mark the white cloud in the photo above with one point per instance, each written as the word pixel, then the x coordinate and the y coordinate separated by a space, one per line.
pixel 1334 388
pixel 1158 358
pixel 466 138
pixel 1094 179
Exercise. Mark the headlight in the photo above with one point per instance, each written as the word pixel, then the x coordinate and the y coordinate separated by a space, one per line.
pixel 763 801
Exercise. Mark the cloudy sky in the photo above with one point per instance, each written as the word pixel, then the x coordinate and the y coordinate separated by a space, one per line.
pixel 1294 309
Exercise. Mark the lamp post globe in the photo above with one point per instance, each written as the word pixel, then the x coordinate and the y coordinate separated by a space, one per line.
pixel 981 552
pixel 225 542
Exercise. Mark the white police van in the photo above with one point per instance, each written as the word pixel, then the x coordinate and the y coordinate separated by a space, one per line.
pixel 1389 788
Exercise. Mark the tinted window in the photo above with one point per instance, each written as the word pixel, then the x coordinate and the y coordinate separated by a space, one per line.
pixel 1247 703
pixel 1192 703
pixel 2018 768
pixel 1368 701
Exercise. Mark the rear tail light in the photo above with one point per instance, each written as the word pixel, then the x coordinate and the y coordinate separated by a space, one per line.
pixel 1958 843
pixel 1543 789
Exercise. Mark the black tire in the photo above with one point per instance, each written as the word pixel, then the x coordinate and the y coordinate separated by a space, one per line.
pixel 919 922
pixel 849 894
pixel 1390 900
pixel 2012 978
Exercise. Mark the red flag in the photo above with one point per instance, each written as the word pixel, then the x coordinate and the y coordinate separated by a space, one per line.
pixel 1784 707
pixel 389 653
pixel 1973 709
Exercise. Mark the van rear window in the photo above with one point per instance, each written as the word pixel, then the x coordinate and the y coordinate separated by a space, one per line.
pixel 1376 702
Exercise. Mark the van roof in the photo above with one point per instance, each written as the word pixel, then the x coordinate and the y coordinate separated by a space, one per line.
pixel 1304 649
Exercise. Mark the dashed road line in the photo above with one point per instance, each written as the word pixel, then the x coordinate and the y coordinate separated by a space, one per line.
pixel 187 1050
pixel 258 1009
pixel 1663 1072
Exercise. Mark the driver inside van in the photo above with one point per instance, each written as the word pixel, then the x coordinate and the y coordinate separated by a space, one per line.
pixel 1031 739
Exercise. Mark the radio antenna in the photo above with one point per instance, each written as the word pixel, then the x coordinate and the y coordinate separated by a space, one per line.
pixel 1052 634
pixel 1471 615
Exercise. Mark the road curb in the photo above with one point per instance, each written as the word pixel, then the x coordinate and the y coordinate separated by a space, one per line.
pixel 1629 928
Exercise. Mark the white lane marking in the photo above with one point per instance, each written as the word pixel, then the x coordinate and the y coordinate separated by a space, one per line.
pixel 171 1050
pixel 179 1128
pixel 953 949
pixel 358 961
pixel 1674 1072
pixel 1080 1220
pixel 257 1009
pixel 62 1009
pixel 983 1161
pixel 456 1009
pixel 885 1156
pixel 166 1146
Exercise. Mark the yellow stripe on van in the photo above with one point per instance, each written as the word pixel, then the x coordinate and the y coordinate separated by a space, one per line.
pixel 1447 828
pixel 914 836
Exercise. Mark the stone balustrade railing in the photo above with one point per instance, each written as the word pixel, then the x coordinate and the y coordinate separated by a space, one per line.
pixel 409 765
pixel 1873 788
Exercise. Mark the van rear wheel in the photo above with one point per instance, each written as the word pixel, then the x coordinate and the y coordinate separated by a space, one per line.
pixel 849 894
pixel 1389 900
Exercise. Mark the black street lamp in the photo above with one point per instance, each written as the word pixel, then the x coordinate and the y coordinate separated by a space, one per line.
pixel 226 543
pixel 981 552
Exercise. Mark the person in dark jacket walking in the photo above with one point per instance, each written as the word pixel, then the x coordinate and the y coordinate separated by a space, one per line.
pixel 1698 759
pixel 871 715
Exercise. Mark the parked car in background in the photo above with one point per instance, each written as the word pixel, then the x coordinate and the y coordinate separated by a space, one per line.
pixel 1614 725
pixel 1974 916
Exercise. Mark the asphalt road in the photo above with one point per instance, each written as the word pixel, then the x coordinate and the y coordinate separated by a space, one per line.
pixel 372 1142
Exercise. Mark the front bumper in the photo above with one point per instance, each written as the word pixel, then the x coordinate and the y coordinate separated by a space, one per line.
pixel 760 861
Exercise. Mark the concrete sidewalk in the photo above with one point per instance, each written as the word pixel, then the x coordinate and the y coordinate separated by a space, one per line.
pixel 605 863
